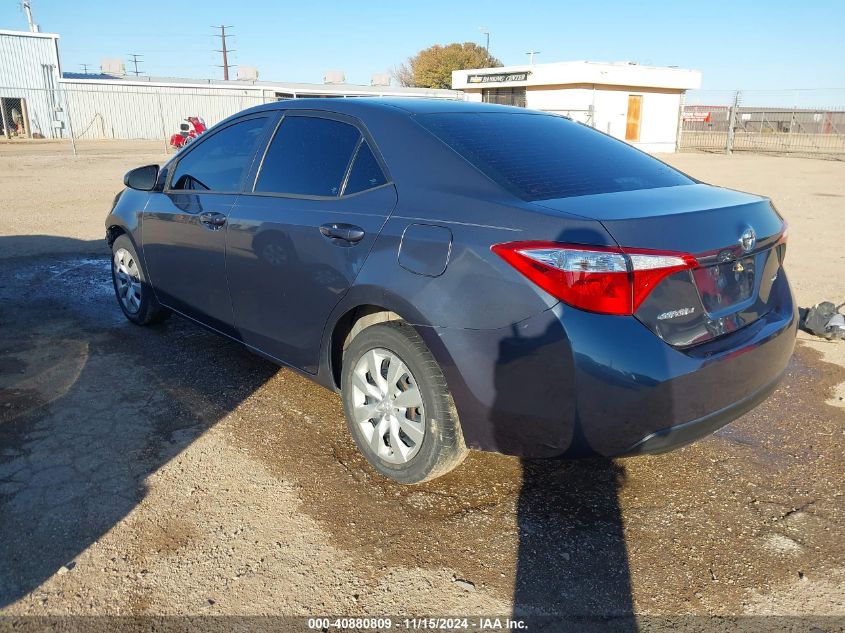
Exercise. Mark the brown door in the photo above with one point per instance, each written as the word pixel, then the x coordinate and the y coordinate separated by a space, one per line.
pixel 635 111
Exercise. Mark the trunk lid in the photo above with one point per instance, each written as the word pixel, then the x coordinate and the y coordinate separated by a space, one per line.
pixel 734 236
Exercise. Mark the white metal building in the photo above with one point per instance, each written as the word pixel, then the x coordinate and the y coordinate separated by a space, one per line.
pixel 29 74
pixel 150 107
pixel 640 104
pixel 54 104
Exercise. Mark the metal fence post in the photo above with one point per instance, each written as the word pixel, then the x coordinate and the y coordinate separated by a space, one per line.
pixel 729 145
pixel 680 131
pixel 6 132
pixel 163 125
pixel 66 101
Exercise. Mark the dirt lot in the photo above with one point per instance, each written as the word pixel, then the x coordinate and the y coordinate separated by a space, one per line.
pixel 167 471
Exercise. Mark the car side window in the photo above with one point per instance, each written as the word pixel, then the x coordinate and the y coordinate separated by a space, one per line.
pixel 308 156
pixel 366 173
pixel 220 161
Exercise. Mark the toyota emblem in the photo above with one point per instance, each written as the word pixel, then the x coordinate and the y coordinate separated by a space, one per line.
pixel 748 240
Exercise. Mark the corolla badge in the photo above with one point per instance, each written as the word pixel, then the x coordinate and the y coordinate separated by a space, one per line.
pixel 748 240
pixel 672 314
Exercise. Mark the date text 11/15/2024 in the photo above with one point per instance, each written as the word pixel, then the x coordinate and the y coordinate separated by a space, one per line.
pixel 415 624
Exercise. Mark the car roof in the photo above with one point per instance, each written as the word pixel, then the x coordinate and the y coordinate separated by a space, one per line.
pixel 371 105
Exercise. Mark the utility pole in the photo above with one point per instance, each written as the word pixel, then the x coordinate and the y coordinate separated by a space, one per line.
pixel 224 50
pixel 27 8
pixel 486 32
pixel 84 68
pixel 531 56
pixel 135 60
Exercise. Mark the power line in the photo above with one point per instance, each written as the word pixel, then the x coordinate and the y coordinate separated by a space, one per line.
pixel 84 68
pixel 135 61
pixel 226 65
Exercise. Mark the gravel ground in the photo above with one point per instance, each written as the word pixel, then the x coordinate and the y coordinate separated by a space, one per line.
pixel 167 471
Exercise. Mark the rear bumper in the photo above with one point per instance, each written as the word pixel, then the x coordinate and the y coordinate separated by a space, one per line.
pixel 566 383
pixel 673 437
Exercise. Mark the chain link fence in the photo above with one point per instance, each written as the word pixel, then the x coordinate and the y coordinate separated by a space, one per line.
pixel 78 115
pixel 581 115
pixel 786 122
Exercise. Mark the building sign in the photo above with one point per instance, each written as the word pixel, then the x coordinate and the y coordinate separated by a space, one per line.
pixel 496 78
pixel 696 116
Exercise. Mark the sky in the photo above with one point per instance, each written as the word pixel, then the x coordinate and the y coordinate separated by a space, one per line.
pixel 752 45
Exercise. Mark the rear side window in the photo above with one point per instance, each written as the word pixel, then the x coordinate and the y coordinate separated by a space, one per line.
pixel 539 156
pixel 220 161
pixel 308 156
pixel 366 173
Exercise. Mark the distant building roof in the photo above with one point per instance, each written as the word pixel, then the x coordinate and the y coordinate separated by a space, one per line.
pixel 88 76
pixel 272 86
pixel 578 72
pixel 52 36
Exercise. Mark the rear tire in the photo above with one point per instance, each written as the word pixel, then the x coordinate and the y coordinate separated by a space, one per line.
pixel 134 294
pixel 403 420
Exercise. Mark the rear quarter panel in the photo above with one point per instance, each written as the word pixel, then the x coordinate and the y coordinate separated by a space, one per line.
pixel 477 316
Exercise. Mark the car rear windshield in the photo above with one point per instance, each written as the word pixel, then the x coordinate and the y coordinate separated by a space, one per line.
pixel 543 156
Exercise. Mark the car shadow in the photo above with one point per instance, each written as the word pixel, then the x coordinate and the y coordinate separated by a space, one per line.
pixel 572 564
pixel 572 568
pixel 91 405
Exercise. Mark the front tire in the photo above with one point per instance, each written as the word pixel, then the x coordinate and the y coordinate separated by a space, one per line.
pixel 398 407
pixel 134 294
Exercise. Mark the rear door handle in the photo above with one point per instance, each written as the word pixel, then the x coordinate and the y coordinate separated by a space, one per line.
pixel 346 232
pixel 213 220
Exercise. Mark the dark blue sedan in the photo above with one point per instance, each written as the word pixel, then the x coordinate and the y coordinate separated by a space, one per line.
pixel 466 276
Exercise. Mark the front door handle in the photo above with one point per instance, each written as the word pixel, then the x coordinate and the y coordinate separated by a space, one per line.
pixel 345 232
pixel 213 220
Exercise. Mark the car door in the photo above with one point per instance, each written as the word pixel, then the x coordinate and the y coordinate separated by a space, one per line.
pixel 297 241
pixel 183 229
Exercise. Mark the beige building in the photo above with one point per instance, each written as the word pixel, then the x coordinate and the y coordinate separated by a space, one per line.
pixel 639 104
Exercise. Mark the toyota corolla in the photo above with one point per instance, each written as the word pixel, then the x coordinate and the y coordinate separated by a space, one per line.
pixel 466 276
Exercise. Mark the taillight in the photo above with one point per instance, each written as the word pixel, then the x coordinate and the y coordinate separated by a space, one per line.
pixel 595 278
pixel 780 245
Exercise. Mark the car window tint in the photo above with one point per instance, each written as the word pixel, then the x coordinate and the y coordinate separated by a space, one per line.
pixel 366 172
pixel 308 156
pixel 541 156
pixel 220 161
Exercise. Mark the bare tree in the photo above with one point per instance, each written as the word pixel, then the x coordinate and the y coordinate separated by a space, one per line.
pixel 402 74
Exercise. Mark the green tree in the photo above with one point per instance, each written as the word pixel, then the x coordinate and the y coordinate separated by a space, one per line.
pixel 432 67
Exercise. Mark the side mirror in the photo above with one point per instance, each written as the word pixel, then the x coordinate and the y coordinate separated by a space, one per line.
pixel 142 178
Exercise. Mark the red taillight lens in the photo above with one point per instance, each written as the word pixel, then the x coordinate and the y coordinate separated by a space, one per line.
pixel 595 278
